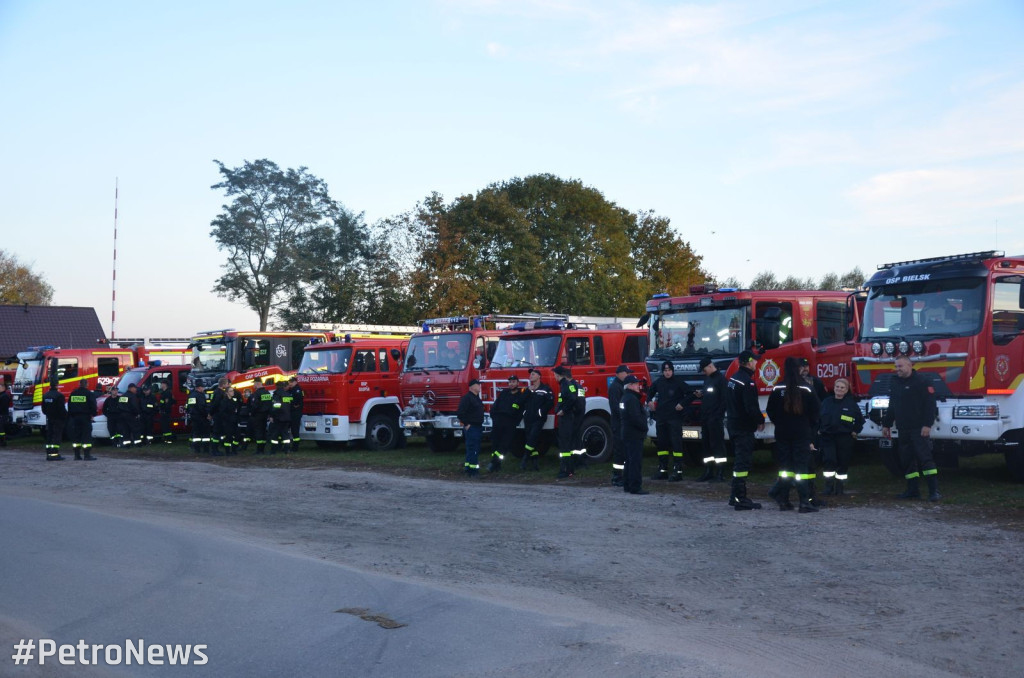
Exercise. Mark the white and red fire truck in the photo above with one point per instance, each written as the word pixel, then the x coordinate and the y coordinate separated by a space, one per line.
pixel 591 347
pixel 176 378
pixel 351 386
pixel 100 367
pixel 960 320
pixel 776 324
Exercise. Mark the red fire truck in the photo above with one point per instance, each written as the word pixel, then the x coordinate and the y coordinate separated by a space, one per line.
pixel 592 349
pixel 351 387
pixel 175 376
pixel 776 324
pixel 243 357
pixel 439 364
pixel 101 367
pixel 960 319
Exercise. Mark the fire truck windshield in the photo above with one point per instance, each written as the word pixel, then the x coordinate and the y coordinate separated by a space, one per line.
pixel 927 309
pixel 698 332
pixel 516 351
pixel 442 351
pixel 30 371
pixel 212 356
pixel 130 377
pixel 326 361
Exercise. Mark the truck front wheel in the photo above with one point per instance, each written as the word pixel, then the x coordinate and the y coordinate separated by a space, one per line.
pixel 596 434
pixel 382 432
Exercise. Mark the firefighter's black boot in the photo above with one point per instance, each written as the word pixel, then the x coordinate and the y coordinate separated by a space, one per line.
pixel 662 472
pixel 563 468
pixel 780 493
pixel 812 493
pixel 912 491
pixel 534 462
pixel 617 478
pixel 495 464
pixel 830 487
pixel 738 497
pixel 933 488
pixel 677 472
pixel 803 488
pixel 839 487
pixel 709 473
pixel 524 460
pixel 719 473
pixel 89 457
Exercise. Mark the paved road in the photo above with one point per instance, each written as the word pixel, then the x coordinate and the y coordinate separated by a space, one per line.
pixel 71 573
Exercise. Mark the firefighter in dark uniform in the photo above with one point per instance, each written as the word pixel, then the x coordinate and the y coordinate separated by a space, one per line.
pixel 147 413
pixel 130 408
pixel 198 419
pixel 81 409
pixel 569 410
pixel 670 395
pixel 841 421
pixel 817 385
pixel 634 430
pixel 743 421
pixel 470 414
pixel 793 408
pixel 912 408
pixel 244 415
pixel 506 413
pixel 262 402
pixel 165 408
pixel 111 410
pixel 281 419
pixel 214 402
pixel 228 412
pixel 712 420
pixel 615 390
pixel 56 418
pixel 5 411
pixel 538 405
pixel 298 396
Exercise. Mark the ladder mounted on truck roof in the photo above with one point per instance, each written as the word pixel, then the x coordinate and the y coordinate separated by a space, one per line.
pixel 358 328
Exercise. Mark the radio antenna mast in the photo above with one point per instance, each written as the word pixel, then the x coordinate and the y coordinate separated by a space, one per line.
pixel 113 292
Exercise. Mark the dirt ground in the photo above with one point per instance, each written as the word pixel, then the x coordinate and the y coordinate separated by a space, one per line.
pixel 911 590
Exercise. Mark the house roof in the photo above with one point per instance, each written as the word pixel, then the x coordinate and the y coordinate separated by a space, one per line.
pixel 65 326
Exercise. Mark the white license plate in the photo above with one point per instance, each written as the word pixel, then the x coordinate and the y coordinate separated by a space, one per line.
pixel 310 425
pixel 691 434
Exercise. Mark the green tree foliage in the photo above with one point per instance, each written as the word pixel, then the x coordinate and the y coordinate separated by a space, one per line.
pixel 20 285
pixel 766 280
pixel 271 218
pixel 539 243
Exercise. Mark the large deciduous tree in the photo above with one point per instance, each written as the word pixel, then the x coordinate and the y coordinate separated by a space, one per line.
pixel 270 220
pixel 20 285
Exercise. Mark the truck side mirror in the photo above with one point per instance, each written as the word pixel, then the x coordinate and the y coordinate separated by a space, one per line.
pixel 396 354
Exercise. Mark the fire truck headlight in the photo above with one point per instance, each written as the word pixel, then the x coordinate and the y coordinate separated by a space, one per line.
pixel 454 422
pixel 876 348
pixel 904 347
pixel 976 412
pixel 918 347
pixel 890 348
pixel 880 403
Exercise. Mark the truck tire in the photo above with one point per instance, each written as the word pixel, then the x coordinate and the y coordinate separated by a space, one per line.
pixel 439 442
pixel 382 432
pixel 596 434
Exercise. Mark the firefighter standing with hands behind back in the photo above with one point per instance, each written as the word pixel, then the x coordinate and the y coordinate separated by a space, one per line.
pixel 81 408
pixel 56 418
pixel 912 408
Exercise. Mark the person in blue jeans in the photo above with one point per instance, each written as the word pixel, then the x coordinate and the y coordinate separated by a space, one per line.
pixel 471 415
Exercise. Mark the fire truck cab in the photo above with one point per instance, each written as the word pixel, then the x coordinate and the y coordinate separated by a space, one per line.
pixel 591 347
pixel 439 364
pixel 243 357
pixel 175 376
pixel 960 320
pixel 100 367
pixel 775 324
pixel 351 387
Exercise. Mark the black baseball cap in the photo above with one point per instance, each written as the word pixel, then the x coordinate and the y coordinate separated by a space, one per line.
pixel 623 368
pixel 803 362
pixel 631 379
pixel 513 377
pixel 704 362
pixel 746 357
pixel 474 382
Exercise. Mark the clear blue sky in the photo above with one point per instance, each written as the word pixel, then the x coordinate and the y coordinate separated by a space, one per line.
pixel 797 136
